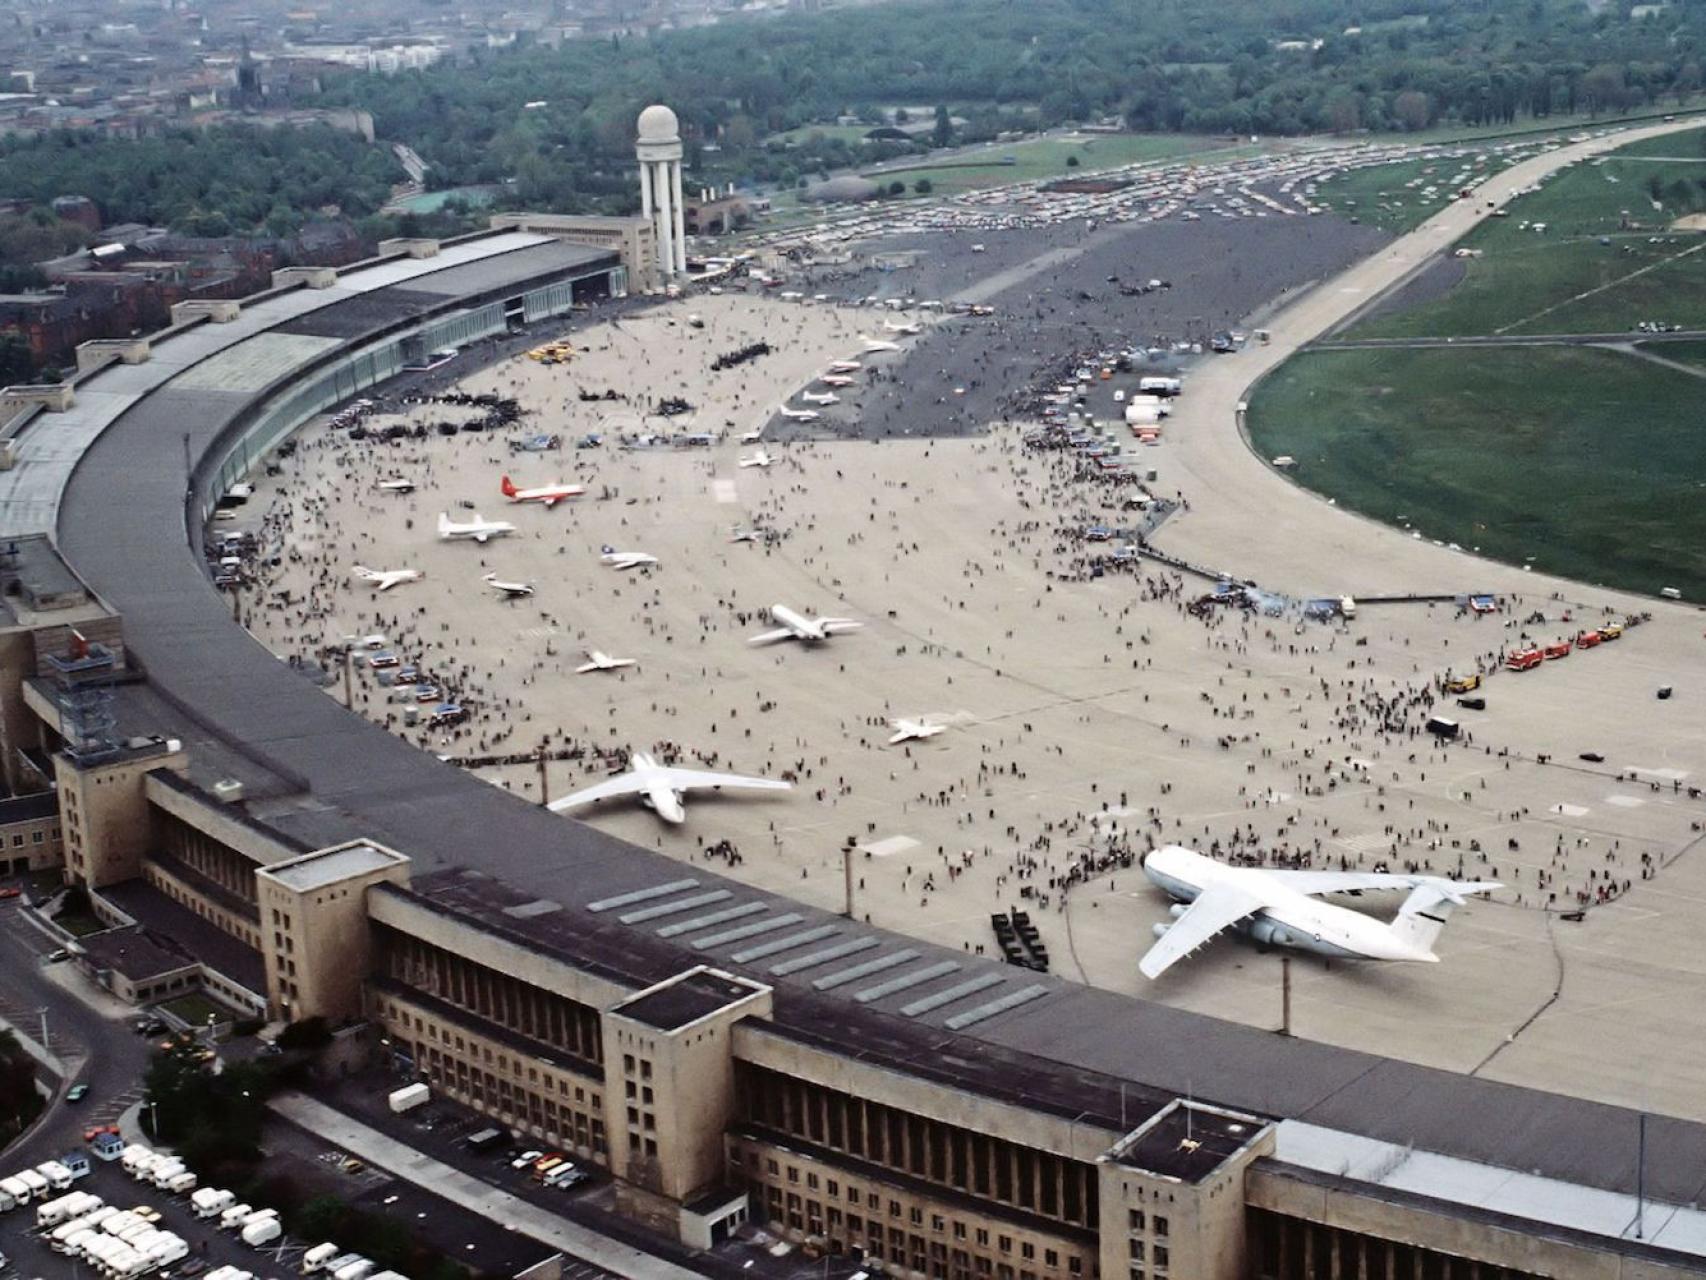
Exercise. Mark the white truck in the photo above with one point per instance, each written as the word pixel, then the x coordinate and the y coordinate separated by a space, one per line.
pixel 181 1183
pixel 262 1231
pixel 409 1097
pixel 10 1191
pixel 234 1215
pixel 38 1185
pixel 52 1213
pixel 316 1258
pixel 135 1158
pixel 57 1175
pixel 359 1269
pixel 211 1200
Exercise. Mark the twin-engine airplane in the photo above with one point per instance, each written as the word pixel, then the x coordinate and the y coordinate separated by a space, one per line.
pixel 385 579
pixel 476 529
pixel 796 626
pixel 508 590
pixel 1280 908
pixel 548 495
pixel 662 787
pixel 598 660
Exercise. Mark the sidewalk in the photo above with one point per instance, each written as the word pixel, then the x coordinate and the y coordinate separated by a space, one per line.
pixel 472 1194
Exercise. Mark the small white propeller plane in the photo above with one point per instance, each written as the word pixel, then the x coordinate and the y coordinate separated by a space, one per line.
pixel 796 626
pixel 1280 908
pixel 400 484
pixel 913 730
pixel 910 328
pixel 625 559
pixel 760 459
pixel 598 660
pixel 814 397
pixel 385 579
pixel 874 345
pixel 477 529
pixel 836 380
pixel 800 415
pixel 661 787
pixel 845 366
pixel 548 495
pixel 508 590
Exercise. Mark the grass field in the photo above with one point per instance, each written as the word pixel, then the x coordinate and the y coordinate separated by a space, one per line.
pixel 1588 271
pixel 1690 353
pixel 1043 158
pixel 1383 196
pixel 1577 461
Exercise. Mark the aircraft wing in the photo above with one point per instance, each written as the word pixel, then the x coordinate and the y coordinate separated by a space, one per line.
pixel 1218 907
pixel 1315 883
pixel 771 637
pixel 625 784
pixel 687 779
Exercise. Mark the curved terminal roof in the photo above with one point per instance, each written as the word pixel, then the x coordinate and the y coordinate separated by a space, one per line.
pixel 116 472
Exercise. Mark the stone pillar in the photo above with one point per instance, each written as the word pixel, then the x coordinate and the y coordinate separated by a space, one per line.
pixel 680 223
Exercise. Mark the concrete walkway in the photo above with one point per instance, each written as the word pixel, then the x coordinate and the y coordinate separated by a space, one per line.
pixel 470 1193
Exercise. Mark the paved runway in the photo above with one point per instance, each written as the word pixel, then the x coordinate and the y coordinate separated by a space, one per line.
pixel 1087 719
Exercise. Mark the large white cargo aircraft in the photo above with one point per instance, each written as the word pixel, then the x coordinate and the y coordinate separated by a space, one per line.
pixel 598 660
pixel 661 787
pixel 508 590
pixel 913 730
pixel 759 459
pixel 874 345
pixel 813 397
pixel 796 626
pixel 1280 908
pixel 800 415
pixel 479 530
pixel 910 328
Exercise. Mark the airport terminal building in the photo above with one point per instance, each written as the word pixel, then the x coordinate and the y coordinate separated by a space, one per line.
pixel 728 1055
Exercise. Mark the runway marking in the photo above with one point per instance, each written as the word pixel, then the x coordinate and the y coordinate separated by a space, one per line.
pixel 1571 810
pixel 724 491
pixel 537 633
pixel 889 847
pixel 1625 802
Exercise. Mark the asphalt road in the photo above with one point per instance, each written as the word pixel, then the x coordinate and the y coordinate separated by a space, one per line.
pixel 100 1052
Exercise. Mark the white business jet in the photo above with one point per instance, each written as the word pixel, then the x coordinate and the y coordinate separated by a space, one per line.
pixel 913 730
pixel 1280 908
pixel 479 530
pixel 661 787
pixel 800 415
pixel 874 345
pixel 598 660
pixel 814 397
pixel 909 328
pixel 796 626
pixel 625 559
pixel 385 579
pixel 549 495
pixel 399 485
pixel 760 459
pixel 508 590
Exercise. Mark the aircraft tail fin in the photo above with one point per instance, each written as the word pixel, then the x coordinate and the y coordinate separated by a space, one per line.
pixel 443 523
pixel 1429 905
pixel 508 487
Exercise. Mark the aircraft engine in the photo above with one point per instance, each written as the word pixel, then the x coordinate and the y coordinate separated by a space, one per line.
pixel 1178 909
pixel 1269 934
pixel 1161 929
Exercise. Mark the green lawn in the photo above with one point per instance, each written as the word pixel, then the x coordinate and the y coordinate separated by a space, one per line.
pixel 1581 462
pixel 1389 196
pixel 1690 353
pixel 1043 158
pixel 1588 271
pixel 79 924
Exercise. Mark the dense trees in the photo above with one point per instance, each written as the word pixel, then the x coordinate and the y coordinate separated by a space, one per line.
pixel 553 127
pixel 20 1103
pixel 1247 66
pixel 216 181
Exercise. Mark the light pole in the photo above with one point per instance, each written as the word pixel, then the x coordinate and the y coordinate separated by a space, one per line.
pixel 43 1012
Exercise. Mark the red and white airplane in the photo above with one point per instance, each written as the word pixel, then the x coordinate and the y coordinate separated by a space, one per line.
pixel 549 494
